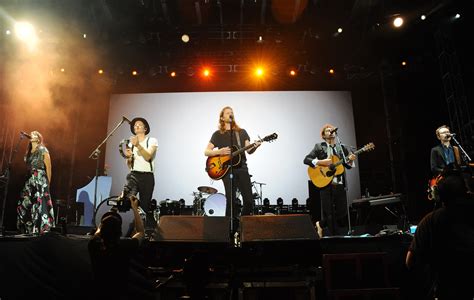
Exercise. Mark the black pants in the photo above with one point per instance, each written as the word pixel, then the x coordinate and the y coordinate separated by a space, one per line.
pixel 242 182
pixel 333 208
pixel 141 183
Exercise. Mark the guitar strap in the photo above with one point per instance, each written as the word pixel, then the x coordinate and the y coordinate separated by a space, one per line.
pixel 237 136
pixel 457 156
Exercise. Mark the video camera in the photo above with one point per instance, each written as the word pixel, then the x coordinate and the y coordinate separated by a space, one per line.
pixel 123 204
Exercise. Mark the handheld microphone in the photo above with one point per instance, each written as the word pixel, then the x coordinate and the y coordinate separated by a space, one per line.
pixel 25 134
pixel 333 130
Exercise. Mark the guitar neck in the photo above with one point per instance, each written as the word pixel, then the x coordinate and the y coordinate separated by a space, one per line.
pixel 237 152
pixel 355 153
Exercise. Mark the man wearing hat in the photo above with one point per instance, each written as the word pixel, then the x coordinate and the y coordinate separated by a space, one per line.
pixel 141 161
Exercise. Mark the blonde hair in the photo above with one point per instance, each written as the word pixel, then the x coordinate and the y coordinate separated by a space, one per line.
pixel 222 123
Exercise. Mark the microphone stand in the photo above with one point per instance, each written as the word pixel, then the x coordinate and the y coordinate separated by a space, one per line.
pixel 341 149
pixel 5 180
pixel 231 177
pixel 96 155
pixel 462 149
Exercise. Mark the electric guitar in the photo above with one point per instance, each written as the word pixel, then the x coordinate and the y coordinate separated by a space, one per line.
pixel 322 176
pixel 218 166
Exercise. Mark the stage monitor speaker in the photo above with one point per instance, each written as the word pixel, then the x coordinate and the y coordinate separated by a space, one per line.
pixel 288 239
pixel 277 228
pixel 195 229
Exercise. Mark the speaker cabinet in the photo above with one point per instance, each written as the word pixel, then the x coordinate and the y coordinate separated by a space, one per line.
pixel 277 228
pixel 198 229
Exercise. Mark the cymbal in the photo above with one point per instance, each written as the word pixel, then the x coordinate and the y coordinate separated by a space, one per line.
pixel 207 189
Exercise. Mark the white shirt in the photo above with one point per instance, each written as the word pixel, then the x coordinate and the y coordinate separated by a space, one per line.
pixel 139 163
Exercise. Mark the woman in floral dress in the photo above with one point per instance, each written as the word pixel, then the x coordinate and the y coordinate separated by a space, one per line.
pixel 35 208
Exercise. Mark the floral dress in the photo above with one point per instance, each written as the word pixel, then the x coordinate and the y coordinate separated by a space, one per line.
pixel 35 208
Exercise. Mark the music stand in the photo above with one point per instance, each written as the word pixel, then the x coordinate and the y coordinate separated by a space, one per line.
pixel 96 155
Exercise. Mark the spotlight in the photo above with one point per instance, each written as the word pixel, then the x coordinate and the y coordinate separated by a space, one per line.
pixel 260 39
pixel 100 71
pixel 259 72
pixel 173 74
pixel 331 71
pixel 294 204
pixel 134 73
pixel 8 32
pixel 206 72
pixel 266 203
pixel 84 35
pixel 398 22
pixel 457 16
pixel 423 17
pixel 63 70
pixel 404 63
pixel 339 30
pixel 292 72
pixel 185 38
pixel 280 202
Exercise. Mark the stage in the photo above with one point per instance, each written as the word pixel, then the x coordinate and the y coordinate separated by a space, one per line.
pixel 261 265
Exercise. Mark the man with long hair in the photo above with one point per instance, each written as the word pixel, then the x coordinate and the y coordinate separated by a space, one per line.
pixel 220 145
pixel 35 209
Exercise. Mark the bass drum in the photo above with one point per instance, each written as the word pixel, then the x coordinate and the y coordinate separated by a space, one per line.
pixel 214 206
pixel 127 216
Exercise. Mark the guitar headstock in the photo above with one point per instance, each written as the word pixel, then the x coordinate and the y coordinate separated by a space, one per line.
pixel 270 138
pixel 368 147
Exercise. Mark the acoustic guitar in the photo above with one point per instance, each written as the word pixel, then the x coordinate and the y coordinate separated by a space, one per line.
pixel 218 166
pixel 322 176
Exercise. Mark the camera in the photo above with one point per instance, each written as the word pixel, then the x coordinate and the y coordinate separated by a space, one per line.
pixel 124 204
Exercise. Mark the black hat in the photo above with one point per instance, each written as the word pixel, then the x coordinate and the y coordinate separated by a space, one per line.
pixel 132 123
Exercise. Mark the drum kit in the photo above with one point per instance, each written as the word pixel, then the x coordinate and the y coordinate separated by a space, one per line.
pixel 208 202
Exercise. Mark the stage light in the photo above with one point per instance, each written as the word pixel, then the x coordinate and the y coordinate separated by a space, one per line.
pixel 280 202
pixel 339 30
pixel 134 73
pixel 260 40
pixel 259 72
pixel 173 74
pixel 423 17
pixel 331 71
pixel 457 16
pixel 26 33
pixel 292 72
pixel 8 32
pixel 398 22
pixel 294 204
pixel 100 71
pixel 206 72
pixel 266 203
pixel 84 35
pixel 63 70
pixel 185 38
pixel 404 63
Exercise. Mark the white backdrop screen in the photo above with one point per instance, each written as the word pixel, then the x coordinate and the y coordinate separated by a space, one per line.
pixel 184 122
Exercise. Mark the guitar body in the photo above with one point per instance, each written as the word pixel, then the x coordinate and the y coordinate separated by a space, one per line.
pixel 218 166
pixel 322 176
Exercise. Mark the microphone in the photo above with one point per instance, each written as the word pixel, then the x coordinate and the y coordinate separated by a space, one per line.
pixel 25 134
pixel 231 117
pixel 451 134
pixel 125 119
pixel 333 130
